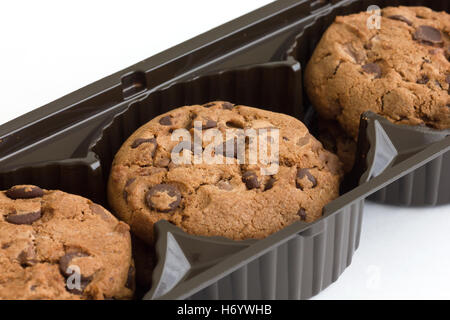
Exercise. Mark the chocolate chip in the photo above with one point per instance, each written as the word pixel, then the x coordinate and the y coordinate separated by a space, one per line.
pixel 6 245
pixel 65 263
pixel 99 211
pixel 250 179
pixel 209 124
pixel 428 35
pixel 130 278
pixel 400 18
pixel 368 46
pixel 83 284
pixel 358 57
pixel 303 140
pixel 22 257
pixel 163 197
pixel 136 143
pixel 227 106
pixel 127 184
pixel 234 124
pixel 285 138
pixel 166 121
pixel 24 192
pixel 372 68
pixel 23 218
pixel 27 257
pixel 447 79
pixel 437 84
pixel 162 162
pixel 208 105
pixel 269 184
pixel 423 80
pixel 65 260
pixel 302 214
pixel 302 173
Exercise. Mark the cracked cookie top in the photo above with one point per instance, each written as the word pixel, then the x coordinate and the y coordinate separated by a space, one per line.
pixel 55 245
pixel 234 197
pixel 400 71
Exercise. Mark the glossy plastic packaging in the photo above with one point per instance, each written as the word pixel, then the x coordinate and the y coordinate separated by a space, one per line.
pixel 255 60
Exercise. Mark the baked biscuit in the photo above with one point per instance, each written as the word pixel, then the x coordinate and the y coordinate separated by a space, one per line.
pixel 233 199
pixel 55 245
pixel 400 71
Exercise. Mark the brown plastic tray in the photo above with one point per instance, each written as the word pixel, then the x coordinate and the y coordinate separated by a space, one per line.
pixel 69 145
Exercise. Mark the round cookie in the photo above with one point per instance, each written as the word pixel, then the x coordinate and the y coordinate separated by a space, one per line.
pixel 400 71
pixel 55 245
pixel 232 199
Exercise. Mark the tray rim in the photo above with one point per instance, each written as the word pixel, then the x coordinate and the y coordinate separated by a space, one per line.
pixel 114 80
pixel 262 246
pixel 209 37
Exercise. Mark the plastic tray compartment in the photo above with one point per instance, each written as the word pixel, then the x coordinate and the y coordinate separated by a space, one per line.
pixel 428 184
pixel 69 145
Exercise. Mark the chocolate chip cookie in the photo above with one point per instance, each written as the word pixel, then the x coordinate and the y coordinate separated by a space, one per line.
pixel 55 245
pixel 233 197
pixel 400 71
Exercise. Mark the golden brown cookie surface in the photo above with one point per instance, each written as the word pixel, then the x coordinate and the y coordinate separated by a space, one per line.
pixel 230 199
pixel 54 245
pixel 400 71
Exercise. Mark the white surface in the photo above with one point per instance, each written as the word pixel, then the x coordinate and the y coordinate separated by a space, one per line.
pixel 49 49
pixel 404 253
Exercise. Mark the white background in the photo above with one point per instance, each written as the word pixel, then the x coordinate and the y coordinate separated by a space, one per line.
pixel 49 49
